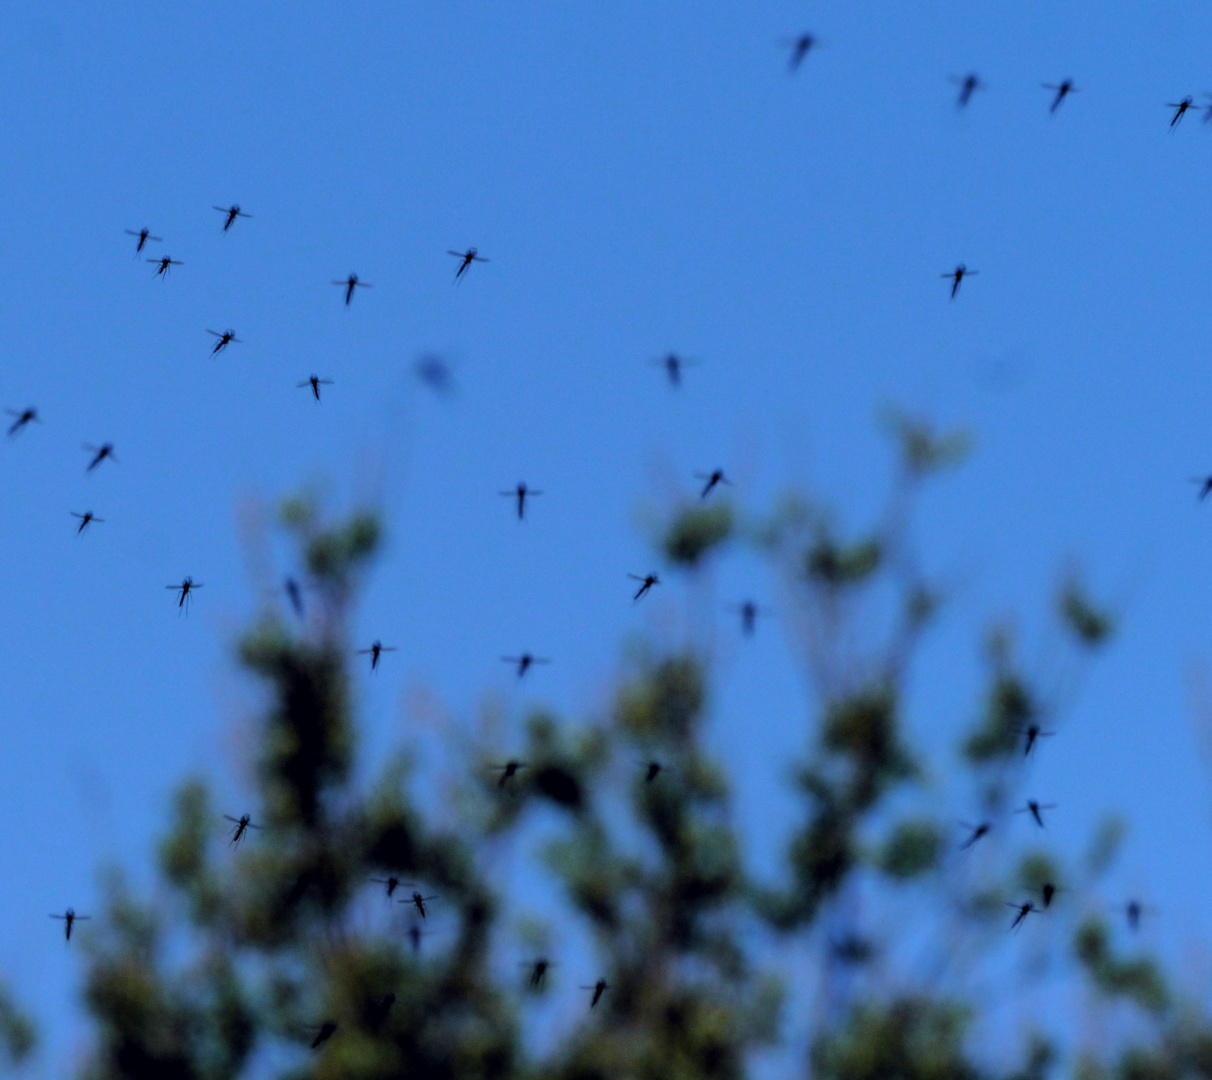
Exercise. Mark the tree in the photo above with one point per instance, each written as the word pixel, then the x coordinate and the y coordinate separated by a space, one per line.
pixel 260 963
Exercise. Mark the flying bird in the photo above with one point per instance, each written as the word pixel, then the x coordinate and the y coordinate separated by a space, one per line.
pixel 673 364
pixel 968 85
pixel 712 479
pixel 351 283
pixel 30 415
pixel 1035 809
pixel 144 236
pixel 1204 482
pixel 434 372
pixel 1023 910
pixel 100 453
pixel 225 339
pixel 326 1032
pixel 749 612
pixel 652 771
pixel 70 918
pixel 957 275
pixel 242 824
pixel 186 590
pixel 232 213
pixel 315 382
pixel 390 883
pixel 162 265
pixel 1063 90
pixel 295 595
pixel 646 583
pixel 800 45
pixel 599 988
pixel 1180 109
pixel 1034 732
pixel 1048 891
pixel 469 256
pixel 521 493
pixel 538 972
pixel 418 901
pixel 524 662
pixel 508 771
pixel 1133 910
pixel 86 519
pixel 977 832
pixel 375 650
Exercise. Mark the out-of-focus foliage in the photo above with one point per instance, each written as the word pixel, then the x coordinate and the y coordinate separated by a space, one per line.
pixel 17 1034
pixel 303 950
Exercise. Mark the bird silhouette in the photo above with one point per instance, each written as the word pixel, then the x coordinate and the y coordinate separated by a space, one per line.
pixel 30 416
pixel 469 256
pixel 390 883
pixel 418 901
pixel 1063 89
pixel 242 824
pixel 521 493
pixel 957 275
pixel 508 771
pixel 800 45
pixel 968 85
pixel 673 365
pixel 232 213
pixel 599 988
pixel 70 918
pixel 1035 809
pixel 295 595
pixel 1033 733
pixel 538 971
pixel 225 339
pixel 1204 482
pixel 351 283
pixel 651 771
pixel 86 519
pixel 315 382
pixel 1023 910
pixel 326 1032
pixel 646 583
pixel 977 831
pixel 1180 110
pixel 100 454
pixel 525 662
pixel 144 236
pixel 185 591
pixel 749 612
pixel 376 649
pixel 434 372
pixel 162 265
pixel 713 479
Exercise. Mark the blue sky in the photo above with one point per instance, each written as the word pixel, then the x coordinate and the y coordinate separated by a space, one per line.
pixel 643 178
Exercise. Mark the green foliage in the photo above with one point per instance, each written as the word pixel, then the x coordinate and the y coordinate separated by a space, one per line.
pixel 922 450
pixel 1091 625
pixel 1138 979
pixel 18 1037
pixel 1009 709
pixel 863 729
pixel 836 565
pixel 913 849
pixel 696 531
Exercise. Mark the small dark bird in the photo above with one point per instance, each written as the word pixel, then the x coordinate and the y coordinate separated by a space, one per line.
pixel 508 771
pixel 977 832
pixel 599 988
pixel 1024 909
pixel 521 493
pixel 295 594
pixel 225 339
pixel 646 583
pixel 69 918
pixel 1204 482
pixel 652 771
pixel 1048 891
pixel 376 649
pixel 186 589
pixel 968 85
pixel 956 276
pixel 433 371
pixel 1180 109
pixel 1063 90
pixel 86 519
pixel 392 883
pixel 525 661
pixel 315 382
pixel 1135 910
pixel 538 972
pixel 800 46
pixel 30 415
pixel 326 1032
pixel 469 256
pixel 419 902
pixel 351 283
pixel 749 613
pixel 1035 810
pixel 673 364
pixel 713 478
pixel 162 265
pixel 144 236
pixel 100 453
pixel 232 213
pixel 1207 110
pixel 242 824
pixel 1033 733
pixel 376 1016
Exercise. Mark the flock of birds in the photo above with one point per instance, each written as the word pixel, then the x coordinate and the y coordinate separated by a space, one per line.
pixel 432 371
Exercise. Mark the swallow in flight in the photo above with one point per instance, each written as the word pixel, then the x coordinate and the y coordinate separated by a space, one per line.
pixel 295 595
pixel 1180 109
pixel 1063 90
pixel 144 236
pixel 673 364
pixel 524 662
pixel 1035 809
pixel 749 612
pixel 968 85
pixel 21 417
pixel 508 771
pixel 315 382
pixel 418 901
pixel 375 650
pixel 225 339
pixel 69 918
pixel 232 213
pixel 1204 482
pixel 469 256
pixel 800 45
pixel 713 478
pixel 646 583
pixel 186 590
pixel 957 275
pixel 977 832
pixel 242 824
pixel 351 283
pixel 391 884
pixel 1023 910
pixel 538 972
pixel 599 988
pixel 1033 733
pixel 100 453
pixel 521 493
pixel 651 771
pixel 86 519
pixel 326 1032
pixel 162 265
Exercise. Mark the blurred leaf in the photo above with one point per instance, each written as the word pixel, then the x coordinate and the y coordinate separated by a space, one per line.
pixel 1105 845
pixel 922 449
pixel 1092 625
pixel 696 531
pixel 835 565
pixel 912 849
